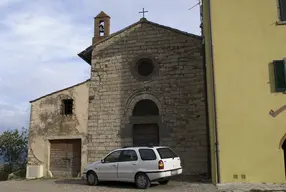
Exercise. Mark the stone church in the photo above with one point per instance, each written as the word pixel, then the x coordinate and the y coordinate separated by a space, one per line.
pixel 146 87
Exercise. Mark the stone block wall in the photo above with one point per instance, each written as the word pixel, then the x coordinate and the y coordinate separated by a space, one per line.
pixel 177 88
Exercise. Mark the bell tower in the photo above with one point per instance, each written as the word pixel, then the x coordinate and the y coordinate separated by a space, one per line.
pixel 101 27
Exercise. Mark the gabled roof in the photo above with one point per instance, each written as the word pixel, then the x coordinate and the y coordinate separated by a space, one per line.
pixel 102 15
pixel 59 91
pixel 87 53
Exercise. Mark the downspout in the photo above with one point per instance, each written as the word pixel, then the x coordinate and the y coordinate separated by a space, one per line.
pixel 214 97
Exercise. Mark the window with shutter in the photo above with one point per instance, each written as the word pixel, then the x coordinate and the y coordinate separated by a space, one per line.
pixel 282 10
pixel 280 77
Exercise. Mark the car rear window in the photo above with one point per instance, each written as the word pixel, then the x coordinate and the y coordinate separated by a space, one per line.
pixel 147 154
pixel 166 153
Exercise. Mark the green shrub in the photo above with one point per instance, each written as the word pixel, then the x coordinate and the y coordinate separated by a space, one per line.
pixel 3 175
pixel 21 173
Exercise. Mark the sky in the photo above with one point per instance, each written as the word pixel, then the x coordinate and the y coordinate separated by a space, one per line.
pixel 40 40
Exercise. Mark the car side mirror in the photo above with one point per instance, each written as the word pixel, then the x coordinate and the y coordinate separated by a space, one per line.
pixel 102 160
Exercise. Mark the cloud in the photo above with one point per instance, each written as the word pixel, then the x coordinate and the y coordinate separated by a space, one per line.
pixel 40 41
pixel 8 113
pixel 4 3
pixel 38 54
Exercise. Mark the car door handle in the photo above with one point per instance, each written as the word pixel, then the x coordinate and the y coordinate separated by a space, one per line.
pixel 134 164
pixel 114 165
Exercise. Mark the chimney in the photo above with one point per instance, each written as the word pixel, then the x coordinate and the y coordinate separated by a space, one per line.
pixel 101 27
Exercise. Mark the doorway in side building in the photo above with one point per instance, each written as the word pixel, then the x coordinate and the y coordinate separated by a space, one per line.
pixel 284 150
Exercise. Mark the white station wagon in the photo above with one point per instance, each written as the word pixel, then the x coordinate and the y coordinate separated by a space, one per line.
pixel 140 165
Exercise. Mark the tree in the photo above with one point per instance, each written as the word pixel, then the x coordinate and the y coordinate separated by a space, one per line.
pixel 14 149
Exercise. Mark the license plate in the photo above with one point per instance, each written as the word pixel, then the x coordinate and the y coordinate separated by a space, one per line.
pixel 174 172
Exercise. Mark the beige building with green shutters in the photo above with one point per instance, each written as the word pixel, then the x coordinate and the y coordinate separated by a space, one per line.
pixel 245 53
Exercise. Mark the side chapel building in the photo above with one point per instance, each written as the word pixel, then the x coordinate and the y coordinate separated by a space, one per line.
pixel 147 86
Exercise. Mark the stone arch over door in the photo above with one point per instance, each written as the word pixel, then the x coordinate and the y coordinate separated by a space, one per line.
pixel 144 111
pixel 131 102
pixel 145 107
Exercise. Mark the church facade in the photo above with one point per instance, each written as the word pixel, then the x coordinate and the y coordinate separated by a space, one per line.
pixel 147 87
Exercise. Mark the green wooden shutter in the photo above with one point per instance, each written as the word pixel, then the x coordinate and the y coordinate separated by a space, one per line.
pixel 279 73
pixel 282 10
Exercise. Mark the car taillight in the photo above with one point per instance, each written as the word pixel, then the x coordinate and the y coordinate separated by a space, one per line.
pixel 161 164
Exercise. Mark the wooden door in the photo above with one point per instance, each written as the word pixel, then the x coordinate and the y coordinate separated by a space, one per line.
pixel 65 157
pixel 145 134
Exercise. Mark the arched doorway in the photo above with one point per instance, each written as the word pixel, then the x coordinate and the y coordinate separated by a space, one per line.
pixel 145 133
pixel 284 150
pixel 145 107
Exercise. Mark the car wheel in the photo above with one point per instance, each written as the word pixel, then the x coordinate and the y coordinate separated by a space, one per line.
pixel 142 181
pixel 163 182
pixel 91 178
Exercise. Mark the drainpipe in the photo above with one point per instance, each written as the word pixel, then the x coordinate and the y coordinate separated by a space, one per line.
pixel 214 97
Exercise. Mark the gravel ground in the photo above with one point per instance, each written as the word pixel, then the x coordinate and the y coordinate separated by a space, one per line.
pixel 49 185
pixel 74 185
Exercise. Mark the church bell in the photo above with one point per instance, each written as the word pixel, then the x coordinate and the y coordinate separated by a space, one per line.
pixel 101 28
